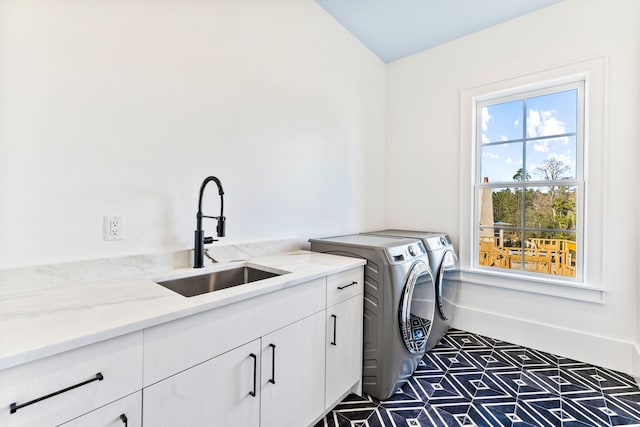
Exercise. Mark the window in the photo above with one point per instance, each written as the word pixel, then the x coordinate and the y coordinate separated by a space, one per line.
pixel 529 184
pixel 588 76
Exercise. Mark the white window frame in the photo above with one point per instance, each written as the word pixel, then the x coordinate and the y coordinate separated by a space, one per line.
pixel 587 286
pixel 577 182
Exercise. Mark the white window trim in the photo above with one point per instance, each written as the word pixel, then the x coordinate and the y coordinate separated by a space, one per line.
pixel 594 73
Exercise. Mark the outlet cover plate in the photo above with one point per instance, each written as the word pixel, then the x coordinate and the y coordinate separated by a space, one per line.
pixel 113 228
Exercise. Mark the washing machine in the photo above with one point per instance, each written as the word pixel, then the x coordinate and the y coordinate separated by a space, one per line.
pixel 445 266
pixel 399 303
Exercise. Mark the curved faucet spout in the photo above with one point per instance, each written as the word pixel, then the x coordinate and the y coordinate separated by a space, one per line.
pixel 200 240
pixel 206 181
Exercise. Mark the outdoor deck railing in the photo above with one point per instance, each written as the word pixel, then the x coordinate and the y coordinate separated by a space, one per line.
pixel 550 256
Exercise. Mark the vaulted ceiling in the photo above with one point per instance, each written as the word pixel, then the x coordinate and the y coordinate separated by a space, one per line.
pixel 393 29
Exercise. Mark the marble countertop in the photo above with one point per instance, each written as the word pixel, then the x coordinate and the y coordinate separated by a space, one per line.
pixel 44 312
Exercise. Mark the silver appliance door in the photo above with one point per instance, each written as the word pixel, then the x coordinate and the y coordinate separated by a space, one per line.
pixel 417 307
pixel 447 286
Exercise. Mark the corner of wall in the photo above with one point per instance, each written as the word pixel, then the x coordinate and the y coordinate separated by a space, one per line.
pixel 635 360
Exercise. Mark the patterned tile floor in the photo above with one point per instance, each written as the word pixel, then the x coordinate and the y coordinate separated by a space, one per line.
pixel 472 380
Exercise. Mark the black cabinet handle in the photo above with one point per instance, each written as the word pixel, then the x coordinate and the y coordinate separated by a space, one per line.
pixel 15 406
pixel 124 419
pixel 346 286
pixel 273 364
pixel 255 374
pixel 335 327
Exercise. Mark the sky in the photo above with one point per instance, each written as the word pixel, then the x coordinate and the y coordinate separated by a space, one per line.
pixel 549 118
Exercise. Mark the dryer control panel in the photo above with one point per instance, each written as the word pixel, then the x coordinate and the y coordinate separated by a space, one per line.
pixel 399 254
pixel 438 242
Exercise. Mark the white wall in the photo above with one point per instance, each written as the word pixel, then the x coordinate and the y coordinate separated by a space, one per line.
pixel 423 128
pixel 123 108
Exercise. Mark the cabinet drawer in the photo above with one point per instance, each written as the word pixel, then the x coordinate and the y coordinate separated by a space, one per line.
pixel 126 412
pixel 342 286
pixel 118 361
pixel 175 346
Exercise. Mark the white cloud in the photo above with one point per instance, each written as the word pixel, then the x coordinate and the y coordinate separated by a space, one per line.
pixel 543 123
pixel 491 155
pixel 485 139
pixel 504 138
pixel 485 119
pixel 509 160
pixel 541 146
pixel 563 158
pixel 516 123
pixel 533 122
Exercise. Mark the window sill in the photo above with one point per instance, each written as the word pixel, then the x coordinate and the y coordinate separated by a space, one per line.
pixel 555 288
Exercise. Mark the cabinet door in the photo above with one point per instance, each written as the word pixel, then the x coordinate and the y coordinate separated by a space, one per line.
pixel 293 373
pixel 223 391
pixel 126 412
pixel 344 348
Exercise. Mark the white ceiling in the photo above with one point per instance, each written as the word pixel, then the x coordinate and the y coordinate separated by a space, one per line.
pixel 393 29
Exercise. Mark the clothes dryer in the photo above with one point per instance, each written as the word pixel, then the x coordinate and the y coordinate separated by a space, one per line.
pixel 445 266
pixel 399 303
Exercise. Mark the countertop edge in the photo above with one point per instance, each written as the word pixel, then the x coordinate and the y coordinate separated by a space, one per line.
pixel 10 360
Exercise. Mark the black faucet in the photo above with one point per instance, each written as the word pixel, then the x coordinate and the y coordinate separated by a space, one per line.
pixel 200 240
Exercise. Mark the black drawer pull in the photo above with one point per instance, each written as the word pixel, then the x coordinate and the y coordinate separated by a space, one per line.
pixel 273 365
pixel 335 327
pixel 124 419
pixel 346 286
pixel 255 374
pixel 14 406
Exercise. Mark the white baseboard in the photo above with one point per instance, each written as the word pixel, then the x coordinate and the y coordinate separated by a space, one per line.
pixel 597 350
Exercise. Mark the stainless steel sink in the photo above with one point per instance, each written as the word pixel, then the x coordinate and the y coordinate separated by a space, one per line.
pixel 204 283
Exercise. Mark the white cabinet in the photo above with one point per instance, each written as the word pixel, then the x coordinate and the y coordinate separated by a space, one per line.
pixel 126 412
pixel 279 359
pixel 288 388
pixel 344 348
pixel 223 391
pixel 344 334
pixel 172 347
pixel 307 357
pixel 53 390
pixel 293 373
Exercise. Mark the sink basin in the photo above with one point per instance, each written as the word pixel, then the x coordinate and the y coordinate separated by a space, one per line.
pixel 209 282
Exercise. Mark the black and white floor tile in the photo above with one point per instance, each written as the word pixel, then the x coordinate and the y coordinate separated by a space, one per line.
pixel 472 380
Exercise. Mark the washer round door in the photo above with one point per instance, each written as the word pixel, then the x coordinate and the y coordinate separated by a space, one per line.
pixel 447 286
pixel 417 307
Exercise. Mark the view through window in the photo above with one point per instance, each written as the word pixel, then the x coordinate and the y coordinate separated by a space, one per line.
pixel 529 181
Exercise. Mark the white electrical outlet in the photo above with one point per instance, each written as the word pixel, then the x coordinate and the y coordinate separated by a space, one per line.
pixel 113 228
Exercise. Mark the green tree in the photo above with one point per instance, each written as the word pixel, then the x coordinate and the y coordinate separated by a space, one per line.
pixel 521 175
pixel 506 206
